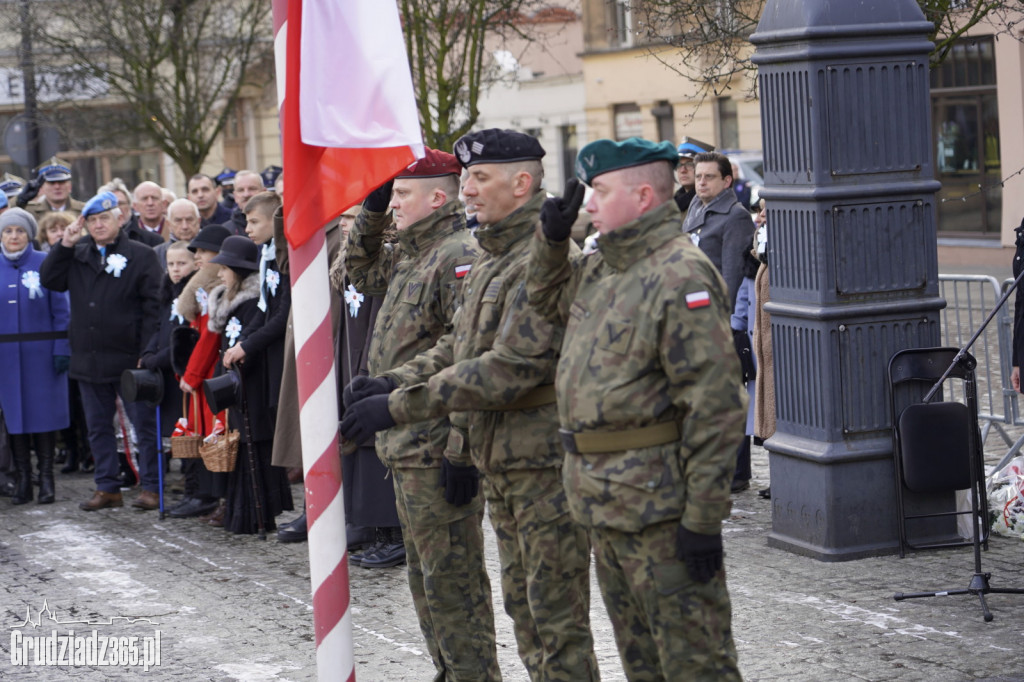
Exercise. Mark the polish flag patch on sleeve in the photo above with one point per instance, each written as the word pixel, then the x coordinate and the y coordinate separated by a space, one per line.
pixel 462 270
pixel 698 299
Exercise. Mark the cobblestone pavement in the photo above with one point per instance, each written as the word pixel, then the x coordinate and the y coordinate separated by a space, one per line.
pixel 235 608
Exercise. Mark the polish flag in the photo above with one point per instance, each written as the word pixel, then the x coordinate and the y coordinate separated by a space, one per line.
pixel 348 114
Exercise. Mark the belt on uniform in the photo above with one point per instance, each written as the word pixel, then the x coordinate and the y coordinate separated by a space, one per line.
pixel 25 337
pixel 535 397
pixel 592 442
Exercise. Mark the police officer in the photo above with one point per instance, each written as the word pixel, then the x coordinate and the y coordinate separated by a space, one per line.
pixel 420 278
pixel 113 285
pixel 53 181
pixel 11 186
pixel 650 405
pixel 494 374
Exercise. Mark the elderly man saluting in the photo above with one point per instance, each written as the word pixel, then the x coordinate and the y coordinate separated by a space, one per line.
pixel 113 284
pixel 651 408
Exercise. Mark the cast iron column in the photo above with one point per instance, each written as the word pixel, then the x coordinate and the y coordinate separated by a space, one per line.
pixel 850 190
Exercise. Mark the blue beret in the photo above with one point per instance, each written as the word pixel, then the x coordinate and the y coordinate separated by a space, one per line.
pixel 690 147
pixel 3 200
pixel 497 146
pixel 602 156
pixel 54 170
pixel 104 201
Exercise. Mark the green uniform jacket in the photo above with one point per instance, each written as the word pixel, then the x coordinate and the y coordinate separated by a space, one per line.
pixel 642 347
pixel 499 351
pixel 419 278
pixel 40 207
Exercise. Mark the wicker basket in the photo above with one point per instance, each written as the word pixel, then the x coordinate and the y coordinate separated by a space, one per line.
pixel 187 447
pixel 220 455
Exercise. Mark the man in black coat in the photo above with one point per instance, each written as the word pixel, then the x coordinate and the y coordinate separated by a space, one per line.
pixel 113 284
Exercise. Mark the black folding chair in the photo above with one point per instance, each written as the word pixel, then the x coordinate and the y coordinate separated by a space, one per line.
pixel 937 448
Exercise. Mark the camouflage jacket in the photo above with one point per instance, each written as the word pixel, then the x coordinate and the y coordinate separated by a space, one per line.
pixel 499 351
pixel 420 279
pixel 647 341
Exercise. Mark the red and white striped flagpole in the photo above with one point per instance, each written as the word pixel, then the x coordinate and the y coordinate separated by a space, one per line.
pixel 318 421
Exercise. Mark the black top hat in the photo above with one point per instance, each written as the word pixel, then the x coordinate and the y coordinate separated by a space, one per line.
pixel 142 384
pixel 209 238
pixel 223 391
pixel 238 252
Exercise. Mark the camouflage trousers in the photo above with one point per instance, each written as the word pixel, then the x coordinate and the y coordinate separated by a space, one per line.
pixel 545 573
pixel 667 627
pixel 444 548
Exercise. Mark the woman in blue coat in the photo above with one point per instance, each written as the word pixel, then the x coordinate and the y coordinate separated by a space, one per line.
pixel 34 383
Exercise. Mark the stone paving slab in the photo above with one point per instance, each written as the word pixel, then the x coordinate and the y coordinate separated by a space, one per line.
pixel 235 608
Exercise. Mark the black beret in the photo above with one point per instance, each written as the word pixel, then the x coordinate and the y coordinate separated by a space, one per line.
pixel 497 146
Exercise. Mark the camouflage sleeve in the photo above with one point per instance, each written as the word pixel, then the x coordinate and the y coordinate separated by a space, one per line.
pixel 368 259
pixel 457 449
pixel 425 364
pixel 704 380
pixel 523 357
pixel 550 278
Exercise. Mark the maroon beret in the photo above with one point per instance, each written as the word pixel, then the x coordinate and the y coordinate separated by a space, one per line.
pixel 434 164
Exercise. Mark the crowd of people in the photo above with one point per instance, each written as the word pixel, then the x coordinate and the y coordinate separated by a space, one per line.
pixel 591 400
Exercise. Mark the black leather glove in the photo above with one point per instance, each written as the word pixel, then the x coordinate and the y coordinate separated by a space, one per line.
pixel 30 191
pixel 461 484
pixel 746 354
pixel 148 361
pixel 558 214
pixel 701 553
pixel 365 418
pixel 61 363
pixel 378 200
pixel 363 387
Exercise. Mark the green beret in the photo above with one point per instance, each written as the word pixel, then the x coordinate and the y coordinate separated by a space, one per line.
pixel 602 156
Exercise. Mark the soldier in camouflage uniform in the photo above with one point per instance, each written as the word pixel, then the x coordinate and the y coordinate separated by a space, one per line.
pixel 494 374
pixel 420 278
pixel 650 405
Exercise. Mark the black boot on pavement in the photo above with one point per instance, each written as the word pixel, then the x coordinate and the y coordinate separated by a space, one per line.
pixel 45 448
pixel 356 558
pixel 22 455
pixel 390 553
pixel 293 531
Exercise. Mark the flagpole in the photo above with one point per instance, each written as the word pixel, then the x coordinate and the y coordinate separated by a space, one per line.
pixel 318 419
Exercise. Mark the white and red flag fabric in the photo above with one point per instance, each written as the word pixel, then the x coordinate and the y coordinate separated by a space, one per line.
pixel 349 117
pixel 348 125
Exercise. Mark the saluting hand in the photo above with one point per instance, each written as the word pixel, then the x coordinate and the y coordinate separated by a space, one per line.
pixel 558 214
pixel 73 232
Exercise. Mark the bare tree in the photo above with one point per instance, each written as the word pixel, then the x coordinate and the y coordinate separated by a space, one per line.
pixel 449 44
pixel 171 69
pixel 713 50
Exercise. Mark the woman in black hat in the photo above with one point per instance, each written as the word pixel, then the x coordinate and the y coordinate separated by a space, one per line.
pixel 234 314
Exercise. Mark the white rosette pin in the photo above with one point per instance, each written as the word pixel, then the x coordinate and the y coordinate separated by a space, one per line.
pixel 353 299
pixel 116 263
pixel 232 330
pixel 30 280
pixel 273 280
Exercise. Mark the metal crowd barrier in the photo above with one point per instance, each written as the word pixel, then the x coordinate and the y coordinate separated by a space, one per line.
pixel 969 300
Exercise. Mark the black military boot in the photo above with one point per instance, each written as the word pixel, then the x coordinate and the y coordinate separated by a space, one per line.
pixel 390 553
pixel 45 447
pixel 71 445
pixel 356 558
pixel 22 454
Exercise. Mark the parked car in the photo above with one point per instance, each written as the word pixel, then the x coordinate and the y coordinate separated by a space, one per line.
pixel 751 165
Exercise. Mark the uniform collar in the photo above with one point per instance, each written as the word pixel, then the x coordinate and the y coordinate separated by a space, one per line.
pixel 499 236
pixel 633 241
pixel 444 221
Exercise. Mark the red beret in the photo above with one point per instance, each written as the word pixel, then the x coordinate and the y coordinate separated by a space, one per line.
pixel 434 164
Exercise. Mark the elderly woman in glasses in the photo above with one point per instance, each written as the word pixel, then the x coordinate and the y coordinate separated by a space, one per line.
pixel 33 385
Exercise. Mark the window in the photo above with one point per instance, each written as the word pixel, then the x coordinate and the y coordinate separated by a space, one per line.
pixel 621 23
pixel 965 129
pixel 665 120
pixel 629 121
pixel 728 123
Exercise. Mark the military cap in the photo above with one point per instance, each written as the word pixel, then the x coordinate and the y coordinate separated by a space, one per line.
pixel 497 146
pixel 226 178
pixel 11 185
pixel 54 170
pixel 602 156
pixel 434 164
pixel 269 175
pixel 690 147
pixel 104 201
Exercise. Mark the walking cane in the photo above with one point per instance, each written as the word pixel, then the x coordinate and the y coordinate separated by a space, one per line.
pixel 254 472
pixel 160 461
